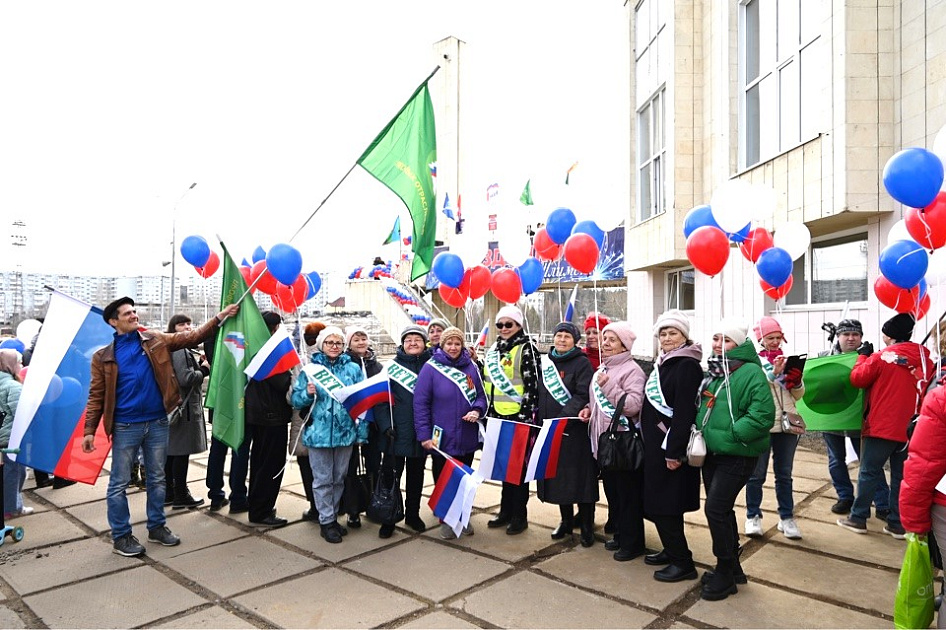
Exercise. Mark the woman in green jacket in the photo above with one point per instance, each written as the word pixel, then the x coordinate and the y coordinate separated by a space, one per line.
pixel 735 415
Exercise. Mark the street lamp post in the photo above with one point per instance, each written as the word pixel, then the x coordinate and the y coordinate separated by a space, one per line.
pixel 174 243
pixel 164 264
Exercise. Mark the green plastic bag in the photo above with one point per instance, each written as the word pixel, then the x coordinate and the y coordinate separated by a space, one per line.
pixel 913 606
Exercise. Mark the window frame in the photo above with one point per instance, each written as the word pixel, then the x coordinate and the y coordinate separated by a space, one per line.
pixel 675 275
pixel 654 165
pixel 853 235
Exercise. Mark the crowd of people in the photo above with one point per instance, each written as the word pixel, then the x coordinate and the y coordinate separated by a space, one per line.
pixel 146 390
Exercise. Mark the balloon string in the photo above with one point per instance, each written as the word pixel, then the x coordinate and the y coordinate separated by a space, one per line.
pixel 594 291
pixel 910 253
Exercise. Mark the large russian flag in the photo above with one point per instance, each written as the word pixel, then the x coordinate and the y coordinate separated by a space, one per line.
pixel 505 449
pixel 543 462
pixel 361 397
pixel 452 499
pixel 50 416
pixel 277 355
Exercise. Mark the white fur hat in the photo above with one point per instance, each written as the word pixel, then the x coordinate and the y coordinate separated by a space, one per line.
pixel 327 332
pixel 735 328
pixel 673 318
pixel 510 312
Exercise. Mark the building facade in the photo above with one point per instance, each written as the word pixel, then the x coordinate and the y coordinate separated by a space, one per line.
pixel 807 98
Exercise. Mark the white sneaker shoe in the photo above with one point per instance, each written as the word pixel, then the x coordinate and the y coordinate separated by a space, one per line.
pixel 789 527
pixel 754 527
pixel 446 532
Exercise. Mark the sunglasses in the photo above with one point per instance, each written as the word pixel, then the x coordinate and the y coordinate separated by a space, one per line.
pixel 500 325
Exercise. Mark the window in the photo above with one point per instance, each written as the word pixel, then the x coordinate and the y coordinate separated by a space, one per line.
pixel 680 292
pixel 837 272
pixel 781 76
pixel 651 151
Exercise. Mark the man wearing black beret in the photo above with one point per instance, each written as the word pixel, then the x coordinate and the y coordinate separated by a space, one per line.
pixel 133 389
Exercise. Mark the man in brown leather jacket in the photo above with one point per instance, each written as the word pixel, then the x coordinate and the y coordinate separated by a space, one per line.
pixel 133 389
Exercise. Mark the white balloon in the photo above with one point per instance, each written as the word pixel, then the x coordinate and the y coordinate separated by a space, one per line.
pixel 26 330
pixel 733 205
pixel 936 272
pixel 514 242
pixel 794 238
pixel 898 232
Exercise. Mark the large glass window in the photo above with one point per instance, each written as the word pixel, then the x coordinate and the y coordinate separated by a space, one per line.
pixel 781 76
pixel 651 153
pixel 833 271
pixel 680 293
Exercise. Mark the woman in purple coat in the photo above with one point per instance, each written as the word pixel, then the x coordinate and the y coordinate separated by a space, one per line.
pixel 449 395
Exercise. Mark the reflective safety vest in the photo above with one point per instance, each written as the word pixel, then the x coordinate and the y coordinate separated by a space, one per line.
pixel 511 365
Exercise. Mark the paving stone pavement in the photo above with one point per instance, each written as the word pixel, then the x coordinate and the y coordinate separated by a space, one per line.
pixel 227 574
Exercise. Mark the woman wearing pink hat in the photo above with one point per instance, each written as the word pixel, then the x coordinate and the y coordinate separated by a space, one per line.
pixel 786 389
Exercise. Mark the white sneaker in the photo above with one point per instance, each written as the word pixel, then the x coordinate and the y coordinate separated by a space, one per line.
pixel 789 527
pixel 446 532
pixel 754 527
pixel 468 530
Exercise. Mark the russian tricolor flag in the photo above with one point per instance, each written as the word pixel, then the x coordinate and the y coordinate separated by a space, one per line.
pixel 543 462
pixel 277 355
pixel 481 340
pixel 361 397
pixel 505 450
pixel 452 499
pixel 570 309
pixel 50 417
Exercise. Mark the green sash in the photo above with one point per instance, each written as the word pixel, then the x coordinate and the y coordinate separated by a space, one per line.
pixel 655 395
pixel 402 376
pixel 554 385
pixel 457 377
pixel 324 377
pixel 498 376
pixel 601 399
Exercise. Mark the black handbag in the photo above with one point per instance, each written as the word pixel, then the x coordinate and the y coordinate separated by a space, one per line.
pixel 387 504
pixel 620 450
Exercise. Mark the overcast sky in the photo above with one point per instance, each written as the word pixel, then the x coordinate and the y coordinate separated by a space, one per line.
pixel 110 110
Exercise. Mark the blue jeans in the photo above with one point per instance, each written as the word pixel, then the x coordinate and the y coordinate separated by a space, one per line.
pixel 239 463
pixel 874 454
pixel 152 437
pixel 783 456
pixel 841 477
pixel 14 475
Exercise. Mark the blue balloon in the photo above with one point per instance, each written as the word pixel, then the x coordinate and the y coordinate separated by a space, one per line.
pixel 559 225
pixel 448 268
pixel 530 273
pixel 591 229
pixel 12 344
pixel 245 264
pixel 313 283
pixel 259 254
pixel 923 288
pixel 913 177
pixel 774 266
pixel 904 263
pixel 284 262
pixel 698 217
pixel 741 235
pixel 195 250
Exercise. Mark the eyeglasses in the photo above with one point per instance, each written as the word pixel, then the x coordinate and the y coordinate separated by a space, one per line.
pixel 333 343
pixel 501 325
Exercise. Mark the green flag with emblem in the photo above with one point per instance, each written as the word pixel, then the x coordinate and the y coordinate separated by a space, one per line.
pixel 830 402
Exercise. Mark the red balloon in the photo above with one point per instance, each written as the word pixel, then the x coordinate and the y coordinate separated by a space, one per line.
pixel 545 247
pixel 892 296
pixel 479 281
pixel 245 272
pixel 299 290
pixel 708 249
pixel 267 283
pixel 507 287
pixel 454 297
pixel 758 241
pixel 210 267
pixel 928 226
pixel 777 293
pixel 581 252
pixel 283 298
pixel 923 308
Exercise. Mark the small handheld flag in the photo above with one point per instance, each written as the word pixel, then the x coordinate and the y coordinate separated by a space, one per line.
pixel 543 462
pixel 277 355
pixel 481 340
pixel 505 449
pixel 570 309
pixel 359 398
pixel 452 498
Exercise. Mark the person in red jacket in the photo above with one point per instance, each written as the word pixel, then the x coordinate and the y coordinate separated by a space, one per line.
pixel 895 379
pixel 922 505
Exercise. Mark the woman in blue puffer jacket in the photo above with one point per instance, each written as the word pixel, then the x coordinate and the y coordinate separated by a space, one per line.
pixel 329 432
pixel 14 473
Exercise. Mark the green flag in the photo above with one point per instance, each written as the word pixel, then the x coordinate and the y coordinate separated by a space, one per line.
pixel 395 234
pixel 403 157
pixel 830 402
pixel 526 196
pixel 238 340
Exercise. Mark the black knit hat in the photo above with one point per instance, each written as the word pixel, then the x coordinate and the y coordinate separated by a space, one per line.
pixel 849 326
pixel 570 328
pixel 111 311
pixel 899 327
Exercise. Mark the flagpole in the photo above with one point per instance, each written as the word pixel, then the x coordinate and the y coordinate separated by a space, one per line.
pixel 306 222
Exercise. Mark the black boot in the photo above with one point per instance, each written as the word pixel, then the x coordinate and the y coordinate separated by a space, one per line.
pixel 567 525
pixel 184 500
pixel 168 493
pixel 720 584
pixel 135 475
pixel 586 519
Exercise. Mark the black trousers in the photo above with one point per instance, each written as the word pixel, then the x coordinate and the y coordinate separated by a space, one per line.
pixel 175 475
pixel 267 460
pixel 515 500
pixel 674 540
pixel 628 490
pixel 305 469
pixel 724 477
pixel 414 484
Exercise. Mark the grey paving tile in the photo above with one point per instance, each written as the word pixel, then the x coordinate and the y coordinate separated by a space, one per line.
pixel 105 602
pixel 439 619
pixel 313 602
pixel 512 603
pixel 306 535
pixel 874 547
pixel 248 562
pixel 95 515
pixel 42 529
pixel 31 571
pixel 392 566
pixel 496 543
pixel 759 606
pixel 9 618
pixel 197 530
pixel 213 617
pixel 74 494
